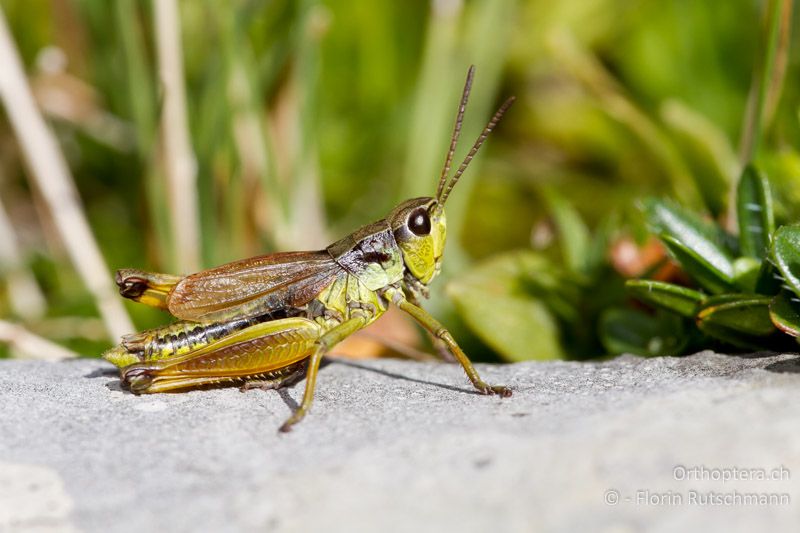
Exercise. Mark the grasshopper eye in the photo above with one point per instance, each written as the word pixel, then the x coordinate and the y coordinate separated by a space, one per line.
pixel 419 222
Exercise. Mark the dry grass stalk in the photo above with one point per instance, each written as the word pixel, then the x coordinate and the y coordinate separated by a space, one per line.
pixel 27 345
pixel 51 176
pixel 179 160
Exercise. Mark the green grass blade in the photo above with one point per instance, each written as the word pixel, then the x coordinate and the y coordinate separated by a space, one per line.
pixel 755 214
pixel 143 107
pixel 707 150
pixel 768 75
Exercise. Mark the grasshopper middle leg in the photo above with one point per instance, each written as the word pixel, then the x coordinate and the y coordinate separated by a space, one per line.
pixel 325 343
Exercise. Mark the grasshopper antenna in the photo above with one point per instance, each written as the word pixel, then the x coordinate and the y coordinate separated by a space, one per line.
pixel 442 197
pixel 456 131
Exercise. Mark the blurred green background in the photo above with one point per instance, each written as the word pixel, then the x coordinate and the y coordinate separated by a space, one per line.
pixel 307 119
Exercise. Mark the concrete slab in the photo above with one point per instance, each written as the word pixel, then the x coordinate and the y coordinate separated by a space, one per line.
pixel 664 444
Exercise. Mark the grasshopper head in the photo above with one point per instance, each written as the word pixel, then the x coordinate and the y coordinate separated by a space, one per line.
pixel 420 229
pixel 419 224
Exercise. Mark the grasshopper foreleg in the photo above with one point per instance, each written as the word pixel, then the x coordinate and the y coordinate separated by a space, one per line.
pixel 441 348
pixel 440 332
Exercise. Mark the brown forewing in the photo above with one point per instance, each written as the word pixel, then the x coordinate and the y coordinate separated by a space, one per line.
pixel 257 285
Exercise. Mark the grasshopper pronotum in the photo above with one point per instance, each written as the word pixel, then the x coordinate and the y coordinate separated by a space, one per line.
pixel 267 320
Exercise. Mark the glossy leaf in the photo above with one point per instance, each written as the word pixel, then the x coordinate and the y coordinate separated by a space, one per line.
pixel 742 313
pixel 494 303
pixel 755 214
pixel 699 268
pixel 629 331
pixel 667 296
pixel 784 311
pixel 786 254
pixel 701 236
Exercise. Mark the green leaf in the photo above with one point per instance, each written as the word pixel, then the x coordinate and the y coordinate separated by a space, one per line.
pixel 705 273
pixel 746 273
pixel 785 313
pixel 705 238
pixel 746 314
pixel 667 296
pixel 755 213
pixel 573 233
pixel 560 292
pixel 629 331
pixel 493 300
pixel 665 216
pixel 786 253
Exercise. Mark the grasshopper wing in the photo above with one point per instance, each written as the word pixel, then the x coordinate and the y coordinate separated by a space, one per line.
pixel 253 286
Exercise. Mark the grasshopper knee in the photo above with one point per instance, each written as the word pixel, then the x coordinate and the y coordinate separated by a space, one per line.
pixel 149 288
pixel 444 335
pixel 137 379
pixel 130 286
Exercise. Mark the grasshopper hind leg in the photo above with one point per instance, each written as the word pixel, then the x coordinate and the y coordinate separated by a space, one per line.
pixel 140 380
pixel 267 350
pixel 277 352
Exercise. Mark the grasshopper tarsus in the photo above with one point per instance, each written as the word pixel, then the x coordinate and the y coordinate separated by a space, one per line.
pixel 296 417
pixel 268 320
pixel 500 390
pixel 493 390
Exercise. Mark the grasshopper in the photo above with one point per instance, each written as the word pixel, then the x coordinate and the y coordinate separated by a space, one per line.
pixel 267 321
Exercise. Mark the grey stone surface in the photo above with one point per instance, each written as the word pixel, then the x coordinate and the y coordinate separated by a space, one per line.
pixel 400 446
